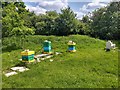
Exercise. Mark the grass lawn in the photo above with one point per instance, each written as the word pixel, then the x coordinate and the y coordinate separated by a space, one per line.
pixel 89 67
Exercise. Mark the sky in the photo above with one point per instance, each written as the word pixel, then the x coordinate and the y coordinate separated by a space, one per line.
pixel 80 7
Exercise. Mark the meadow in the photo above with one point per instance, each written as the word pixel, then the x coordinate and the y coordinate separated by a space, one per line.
pixel 89 67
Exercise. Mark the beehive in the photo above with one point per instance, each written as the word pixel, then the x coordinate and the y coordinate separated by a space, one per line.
pixel 71 46
pixel 27 56
pixel 47 47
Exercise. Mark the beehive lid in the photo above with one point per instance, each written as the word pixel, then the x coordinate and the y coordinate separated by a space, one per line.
pixel 27 52
pixel 47 41
pixel 71 43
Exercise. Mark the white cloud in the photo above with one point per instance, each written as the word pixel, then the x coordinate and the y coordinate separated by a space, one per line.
pixel 79 15
pixel 95 1
pixel 70 0
pixel 90 7
pixel 95 5
pixel 53 5
pixel 38 10
pixel 47 5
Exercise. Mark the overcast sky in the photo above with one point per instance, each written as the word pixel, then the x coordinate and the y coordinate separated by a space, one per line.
pixel 80 7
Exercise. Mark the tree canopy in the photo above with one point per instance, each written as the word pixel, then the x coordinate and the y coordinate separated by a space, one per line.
pixel 102 23
pixel 13 21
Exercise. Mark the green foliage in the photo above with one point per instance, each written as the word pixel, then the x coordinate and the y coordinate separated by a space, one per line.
pixel 83 28
pixel 45 24
pixel 13 21
pixel 53 23
pixel 105 22
pixel 101 23
pixel 52 14
pixel 16 22
pixel 66 23
pixel 18 31
pixel 40 27
pixel 85 19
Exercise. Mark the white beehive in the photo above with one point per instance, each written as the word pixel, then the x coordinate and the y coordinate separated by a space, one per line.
pixel 109 45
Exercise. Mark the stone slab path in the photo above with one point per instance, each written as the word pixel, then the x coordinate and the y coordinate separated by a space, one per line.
pixel 15 70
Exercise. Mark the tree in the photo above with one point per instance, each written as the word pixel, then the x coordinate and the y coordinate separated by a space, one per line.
pixel 83 28
pixel 40 26
pixel 13 23
pixel 10 19
pixel 66 23
pixel 45 24
pixel 13 20
pixel 105 22
pixel 86 19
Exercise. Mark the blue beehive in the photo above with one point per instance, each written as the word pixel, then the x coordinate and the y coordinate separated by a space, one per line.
pixel 71 46
pixel 47 47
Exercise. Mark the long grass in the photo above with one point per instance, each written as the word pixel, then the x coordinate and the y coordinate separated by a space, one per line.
pixel 89 67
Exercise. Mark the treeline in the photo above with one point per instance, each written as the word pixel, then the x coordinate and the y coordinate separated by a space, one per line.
pixel 102 23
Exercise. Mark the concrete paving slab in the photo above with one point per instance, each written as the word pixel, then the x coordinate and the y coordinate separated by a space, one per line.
pixel 10 73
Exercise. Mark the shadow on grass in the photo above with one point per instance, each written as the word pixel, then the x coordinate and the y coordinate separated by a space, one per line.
pixel 10 48
pixel 21 64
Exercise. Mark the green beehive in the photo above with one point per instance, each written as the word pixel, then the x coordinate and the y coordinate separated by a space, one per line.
pixel 47 43
pixel 27 56
pixel 47 46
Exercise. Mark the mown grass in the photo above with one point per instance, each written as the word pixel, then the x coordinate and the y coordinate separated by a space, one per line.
pixel 89 67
